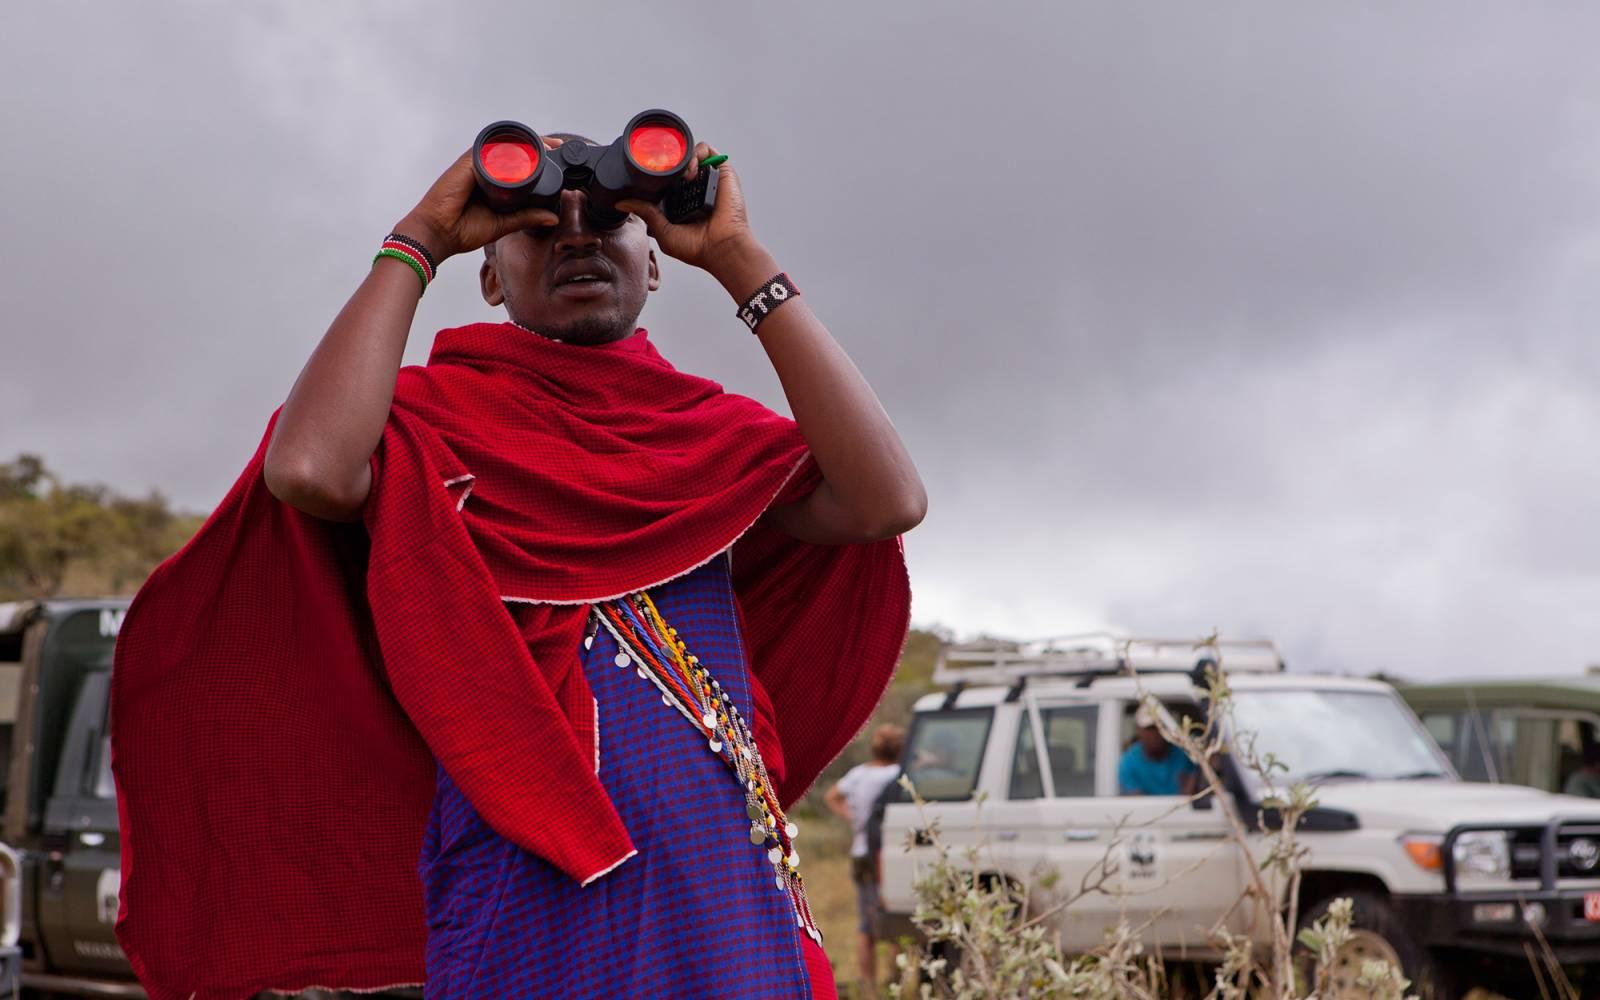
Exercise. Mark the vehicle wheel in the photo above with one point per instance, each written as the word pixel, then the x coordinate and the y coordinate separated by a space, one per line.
pixel 1376 933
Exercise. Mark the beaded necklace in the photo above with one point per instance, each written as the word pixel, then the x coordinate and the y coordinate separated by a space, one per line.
pixel 648 644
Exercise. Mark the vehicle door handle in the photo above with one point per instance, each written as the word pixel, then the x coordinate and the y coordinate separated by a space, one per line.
pixel 1006 835
pixel 1080 835
pixel 1200 835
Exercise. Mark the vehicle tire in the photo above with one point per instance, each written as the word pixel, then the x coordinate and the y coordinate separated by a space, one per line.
pixel 1377 933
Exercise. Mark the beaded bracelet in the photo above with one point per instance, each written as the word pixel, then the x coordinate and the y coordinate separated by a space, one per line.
pixel 412 253
pixel 774 292
pixel 404 240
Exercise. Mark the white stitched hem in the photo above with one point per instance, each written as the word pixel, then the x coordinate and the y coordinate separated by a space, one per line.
pixel 333 989
pixel 724 547
pixel 457 481
pixel 609 868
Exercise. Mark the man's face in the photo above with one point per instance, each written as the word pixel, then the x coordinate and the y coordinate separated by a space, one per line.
pixel 1155 745
pixel 571 282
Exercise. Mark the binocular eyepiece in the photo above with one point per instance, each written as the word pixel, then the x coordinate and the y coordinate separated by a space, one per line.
pixel 515 171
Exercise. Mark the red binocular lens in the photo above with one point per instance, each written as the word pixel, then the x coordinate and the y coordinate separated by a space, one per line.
pixel 659 149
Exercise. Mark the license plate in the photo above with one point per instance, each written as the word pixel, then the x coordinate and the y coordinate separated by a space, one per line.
pixel 1591 907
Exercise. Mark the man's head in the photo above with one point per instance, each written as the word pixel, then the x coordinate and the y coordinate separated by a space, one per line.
pixel 572 282
pixel 887 742
pixel 1155 745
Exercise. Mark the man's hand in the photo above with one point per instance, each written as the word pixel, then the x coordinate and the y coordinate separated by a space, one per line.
pixel 448 220
pixel 717 243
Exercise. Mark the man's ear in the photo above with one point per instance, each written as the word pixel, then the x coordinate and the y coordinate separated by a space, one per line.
pixel 655 272
pixel 489 279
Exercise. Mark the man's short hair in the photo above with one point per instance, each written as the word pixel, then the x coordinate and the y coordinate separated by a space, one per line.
pixel 887 742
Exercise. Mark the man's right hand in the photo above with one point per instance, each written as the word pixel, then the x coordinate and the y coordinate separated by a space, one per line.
pixel 449 220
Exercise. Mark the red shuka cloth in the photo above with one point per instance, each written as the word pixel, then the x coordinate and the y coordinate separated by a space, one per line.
pixel 284 686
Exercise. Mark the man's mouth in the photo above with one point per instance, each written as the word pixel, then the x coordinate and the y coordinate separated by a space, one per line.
pixel 577 274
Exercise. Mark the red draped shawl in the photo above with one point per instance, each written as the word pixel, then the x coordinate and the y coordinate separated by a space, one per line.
pixel 285 687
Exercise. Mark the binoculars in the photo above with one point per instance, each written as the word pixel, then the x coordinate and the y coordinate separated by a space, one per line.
pixel 515 171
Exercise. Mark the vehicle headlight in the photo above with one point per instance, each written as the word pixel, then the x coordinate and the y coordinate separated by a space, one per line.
pixel 1482 854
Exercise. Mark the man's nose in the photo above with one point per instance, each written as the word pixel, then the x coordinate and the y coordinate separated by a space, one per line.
pixel 574 233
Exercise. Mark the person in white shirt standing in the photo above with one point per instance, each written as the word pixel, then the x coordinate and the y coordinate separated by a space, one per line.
pixel 852 799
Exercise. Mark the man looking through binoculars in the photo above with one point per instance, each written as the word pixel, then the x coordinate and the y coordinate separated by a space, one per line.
pixel 546 501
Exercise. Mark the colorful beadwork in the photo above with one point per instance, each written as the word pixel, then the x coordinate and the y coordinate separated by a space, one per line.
pixel 658 655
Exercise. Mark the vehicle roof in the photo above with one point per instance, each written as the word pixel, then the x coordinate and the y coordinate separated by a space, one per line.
pixel 1578 691
pixel 14 614
pixel 1160 685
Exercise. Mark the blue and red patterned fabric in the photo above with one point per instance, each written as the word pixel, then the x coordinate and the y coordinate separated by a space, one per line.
pixel 696 913
pixel 286 689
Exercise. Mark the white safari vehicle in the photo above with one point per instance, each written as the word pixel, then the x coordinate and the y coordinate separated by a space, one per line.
pixel 1454 882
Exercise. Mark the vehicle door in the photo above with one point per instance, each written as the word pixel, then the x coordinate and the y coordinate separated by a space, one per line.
pixel 945 753
pixel 80 877
pixel 1047 830
pixel 1174 869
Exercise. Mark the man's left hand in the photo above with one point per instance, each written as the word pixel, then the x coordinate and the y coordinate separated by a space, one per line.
pixel 717 243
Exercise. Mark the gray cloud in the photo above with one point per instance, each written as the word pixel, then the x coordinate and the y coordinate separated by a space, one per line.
pixel 1271 318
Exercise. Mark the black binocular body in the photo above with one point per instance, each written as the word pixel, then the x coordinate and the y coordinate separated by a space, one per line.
pixel 516 171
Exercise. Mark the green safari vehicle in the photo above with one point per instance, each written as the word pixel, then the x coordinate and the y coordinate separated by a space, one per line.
pixel 60 853
pixel 1528 731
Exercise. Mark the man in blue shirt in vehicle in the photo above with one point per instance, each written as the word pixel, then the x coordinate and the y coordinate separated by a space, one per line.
pixel 1151 765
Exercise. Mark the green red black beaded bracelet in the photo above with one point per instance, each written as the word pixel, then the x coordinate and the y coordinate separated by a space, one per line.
pixel 411 252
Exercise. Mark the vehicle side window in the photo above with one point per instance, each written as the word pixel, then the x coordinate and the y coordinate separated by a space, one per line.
pixel 945 751
pixel 1573 736
pixel 1026 780
pixel 1442 727
pixel 1175 760
pixel 1069 738
pixel 1478 756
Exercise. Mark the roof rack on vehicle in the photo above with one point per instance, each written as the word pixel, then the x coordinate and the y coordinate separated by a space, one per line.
pixel 1098 654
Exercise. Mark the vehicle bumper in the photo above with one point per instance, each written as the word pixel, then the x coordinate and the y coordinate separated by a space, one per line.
pixel 1494 924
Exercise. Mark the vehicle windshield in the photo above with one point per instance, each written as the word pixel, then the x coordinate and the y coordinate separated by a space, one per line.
pixel 1338 734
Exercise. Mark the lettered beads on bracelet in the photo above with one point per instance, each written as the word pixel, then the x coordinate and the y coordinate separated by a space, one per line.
pixel 410 252
pixel 774 292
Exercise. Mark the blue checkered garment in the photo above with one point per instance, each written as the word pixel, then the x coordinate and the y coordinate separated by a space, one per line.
pixel 695 913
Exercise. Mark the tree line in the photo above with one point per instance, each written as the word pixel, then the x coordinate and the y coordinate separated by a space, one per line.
pixel 75 539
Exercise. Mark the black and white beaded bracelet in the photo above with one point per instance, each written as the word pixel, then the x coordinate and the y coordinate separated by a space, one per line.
pixel 774 292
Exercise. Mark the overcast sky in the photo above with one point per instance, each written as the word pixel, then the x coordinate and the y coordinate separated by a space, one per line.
pixel 1257 316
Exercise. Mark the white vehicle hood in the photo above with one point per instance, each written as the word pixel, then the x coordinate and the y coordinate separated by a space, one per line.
pixel 1436 805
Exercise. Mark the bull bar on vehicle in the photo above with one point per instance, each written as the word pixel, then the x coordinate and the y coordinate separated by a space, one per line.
pixel 1506 920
